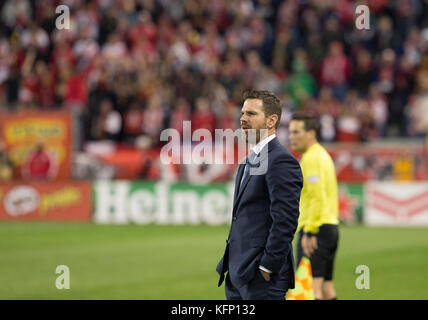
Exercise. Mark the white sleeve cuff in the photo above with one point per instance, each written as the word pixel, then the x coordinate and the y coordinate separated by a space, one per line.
pixel 264 269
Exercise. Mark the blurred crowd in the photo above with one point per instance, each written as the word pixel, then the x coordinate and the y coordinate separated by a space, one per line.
pixel 129 68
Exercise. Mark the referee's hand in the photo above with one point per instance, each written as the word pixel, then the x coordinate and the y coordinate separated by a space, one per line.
pixel 309 245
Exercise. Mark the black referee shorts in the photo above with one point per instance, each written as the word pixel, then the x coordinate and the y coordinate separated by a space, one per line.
pixel 322 259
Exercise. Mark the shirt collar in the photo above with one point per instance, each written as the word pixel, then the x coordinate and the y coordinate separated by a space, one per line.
pixel 259 146
pixel 312 147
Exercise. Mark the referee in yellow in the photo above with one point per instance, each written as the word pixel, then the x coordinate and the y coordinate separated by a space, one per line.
pixel 319 205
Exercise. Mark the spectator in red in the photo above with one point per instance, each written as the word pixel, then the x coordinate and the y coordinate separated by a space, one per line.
pixel 387 71
pixel 40 164
pixel 335 70
pixel 73 89
pixel 145 29
pixel 133 121
pixel 348 123
pixel 46 86
pixel 328 109
pixel 378 109
pixel 203 117
pixel 62 54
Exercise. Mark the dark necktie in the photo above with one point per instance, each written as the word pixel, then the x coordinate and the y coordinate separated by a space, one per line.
pixel 248 163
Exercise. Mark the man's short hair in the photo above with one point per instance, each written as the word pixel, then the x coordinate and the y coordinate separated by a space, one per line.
pixel 310 122
pixel 271 103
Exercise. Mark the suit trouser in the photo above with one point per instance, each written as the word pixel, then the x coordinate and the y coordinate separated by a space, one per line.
pixel 258 288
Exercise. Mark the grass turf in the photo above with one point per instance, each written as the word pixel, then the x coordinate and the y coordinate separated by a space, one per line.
pixel 178 262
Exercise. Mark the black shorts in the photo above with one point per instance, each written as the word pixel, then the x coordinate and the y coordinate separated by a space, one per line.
pixel 322 259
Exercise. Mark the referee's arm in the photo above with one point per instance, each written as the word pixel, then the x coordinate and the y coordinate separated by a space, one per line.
pixel 316 198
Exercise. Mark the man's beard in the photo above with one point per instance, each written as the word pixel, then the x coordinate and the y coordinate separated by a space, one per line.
pixel 253 136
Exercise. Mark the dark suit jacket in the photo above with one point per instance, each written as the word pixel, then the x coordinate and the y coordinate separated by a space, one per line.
pixel 264 219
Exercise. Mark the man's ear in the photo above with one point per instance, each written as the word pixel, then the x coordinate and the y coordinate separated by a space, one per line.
pixel 272 120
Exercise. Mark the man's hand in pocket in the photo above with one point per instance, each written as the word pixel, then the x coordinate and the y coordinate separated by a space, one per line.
pixel 265 275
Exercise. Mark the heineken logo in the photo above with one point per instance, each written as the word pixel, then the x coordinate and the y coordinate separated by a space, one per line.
pixel 123 202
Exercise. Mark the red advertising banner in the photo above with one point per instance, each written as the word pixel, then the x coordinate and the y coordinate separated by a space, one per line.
pixel 39 144
pixel 46 201
pixel 393 203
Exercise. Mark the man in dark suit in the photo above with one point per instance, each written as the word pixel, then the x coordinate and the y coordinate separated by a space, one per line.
pixel 259 258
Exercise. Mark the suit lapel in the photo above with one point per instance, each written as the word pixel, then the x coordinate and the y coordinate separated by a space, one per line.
pixel 237 181
pixel 243 184
pixel 240 190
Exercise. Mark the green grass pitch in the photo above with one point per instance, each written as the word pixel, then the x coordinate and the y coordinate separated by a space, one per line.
pixel 178 262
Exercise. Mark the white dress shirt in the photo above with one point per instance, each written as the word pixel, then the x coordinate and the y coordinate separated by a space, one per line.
pixel 259 146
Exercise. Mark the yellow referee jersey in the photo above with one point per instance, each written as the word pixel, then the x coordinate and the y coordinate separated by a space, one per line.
pixel 319 203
